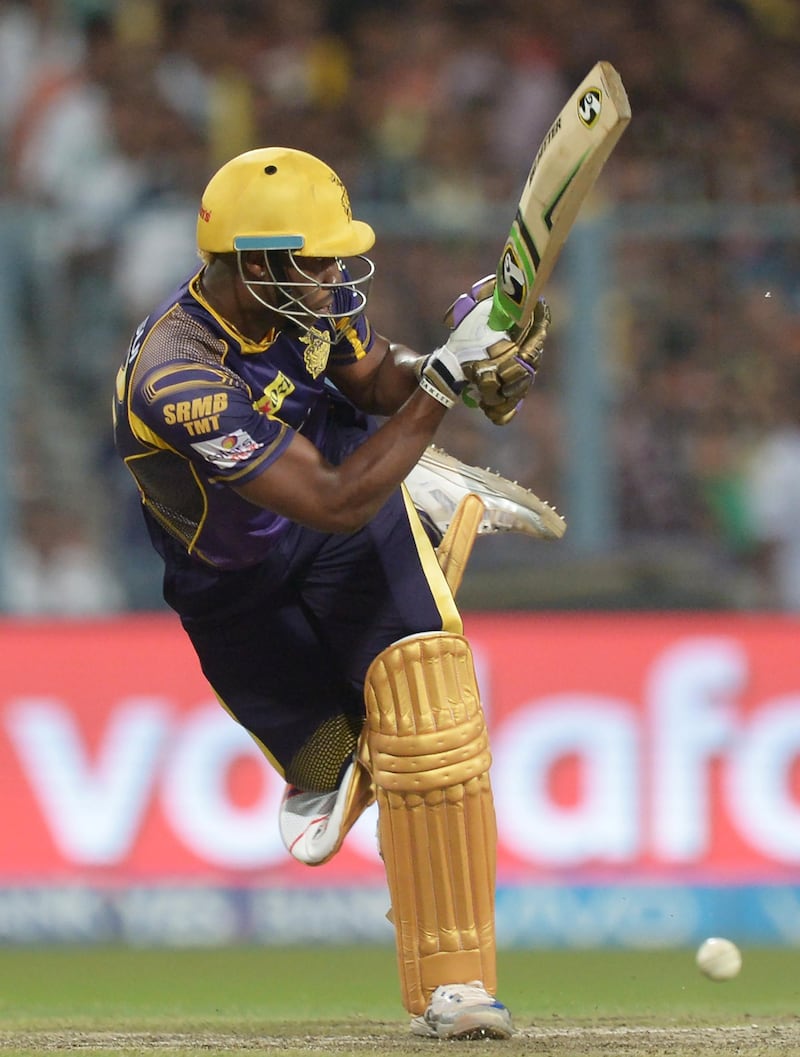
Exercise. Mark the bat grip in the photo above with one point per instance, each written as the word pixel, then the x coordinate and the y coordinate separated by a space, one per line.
pixel 499 319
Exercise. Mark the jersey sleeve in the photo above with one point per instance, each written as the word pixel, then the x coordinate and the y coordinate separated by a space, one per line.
pixel 352 337
pixel 206 415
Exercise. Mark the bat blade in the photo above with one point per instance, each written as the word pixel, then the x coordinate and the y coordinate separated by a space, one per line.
pixel 566 166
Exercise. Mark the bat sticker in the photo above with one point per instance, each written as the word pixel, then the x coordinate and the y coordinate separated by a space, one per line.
pixel 513 278
pixel 564 170
pixel 590 105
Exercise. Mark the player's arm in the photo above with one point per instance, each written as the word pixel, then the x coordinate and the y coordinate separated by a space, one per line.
pixel 303 486
pixel 381 381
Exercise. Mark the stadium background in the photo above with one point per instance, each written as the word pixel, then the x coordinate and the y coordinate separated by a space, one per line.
pixel 639 676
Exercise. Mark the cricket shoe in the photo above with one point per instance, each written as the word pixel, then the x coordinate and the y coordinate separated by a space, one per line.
pixel 463 1011
pixel 439 482
pixel 313 825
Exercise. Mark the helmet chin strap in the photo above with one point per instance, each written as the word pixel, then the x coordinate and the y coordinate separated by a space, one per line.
pixel 288 295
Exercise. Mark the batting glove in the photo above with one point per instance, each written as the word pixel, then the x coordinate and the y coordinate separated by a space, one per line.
pixel 443 374
pixel 505 377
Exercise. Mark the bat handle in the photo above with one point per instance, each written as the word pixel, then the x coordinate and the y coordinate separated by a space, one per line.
pixel 499 319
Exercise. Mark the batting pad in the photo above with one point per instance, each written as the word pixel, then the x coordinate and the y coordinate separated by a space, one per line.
pixel 429 756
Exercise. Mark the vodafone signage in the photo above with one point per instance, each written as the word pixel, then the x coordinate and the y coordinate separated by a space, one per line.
pixel 645 748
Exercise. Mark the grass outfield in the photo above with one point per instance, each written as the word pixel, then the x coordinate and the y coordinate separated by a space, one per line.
pixel 345 1001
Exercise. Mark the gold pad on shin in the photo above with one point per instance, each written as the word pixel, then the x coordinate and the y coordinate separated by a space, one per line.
pixel 429 757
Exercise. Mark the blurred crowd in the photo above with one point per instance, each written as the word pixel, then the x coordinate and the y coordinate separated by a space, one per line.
pixel 114 114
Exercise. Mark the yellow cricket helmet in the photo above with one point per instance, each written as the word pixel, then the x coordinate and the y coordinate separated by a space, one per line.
pixel 277 198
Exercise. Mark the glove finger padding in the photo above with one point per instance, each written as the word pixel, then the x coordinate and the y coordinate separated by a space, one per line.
pixel 504 379
pixel 479 291
pixel 531 341
pixel 502 414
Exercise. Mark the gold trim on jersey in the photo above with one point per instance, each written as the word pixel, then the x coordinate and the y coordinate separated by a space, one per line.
pixel 350 334
pixel 442 595
pixel 270 758
pixel 133 359
pixel 248 347
pixel 152 391
pixel 143 433
pixel 152 504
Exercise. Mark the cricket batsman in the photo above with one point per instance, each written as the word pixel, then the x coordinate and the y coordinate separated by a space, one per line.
pixel 315 598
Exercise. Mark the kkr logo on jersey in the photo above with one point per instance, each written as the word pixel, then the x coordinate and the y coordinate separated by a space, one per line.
pixel 274 395
pixel 317 350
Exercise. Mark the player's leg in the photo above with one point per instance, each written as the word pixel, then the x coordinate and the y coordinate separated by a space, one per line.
pixel 425 731
pixel 314 825
pixel 261 651
pixel 429 755
pixel 351 587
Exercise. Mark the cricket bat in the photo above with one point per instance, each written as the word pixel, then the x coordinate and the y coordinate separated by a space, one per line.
pixel 566 166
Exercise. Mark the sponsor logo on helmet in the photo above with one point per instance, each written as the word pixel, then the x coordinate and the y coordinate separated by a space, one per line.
pixel 317 349
pixel 205 214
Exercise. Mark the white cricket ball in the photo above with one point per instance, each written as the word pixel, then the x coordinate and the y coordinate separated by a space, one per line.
pixel 719 959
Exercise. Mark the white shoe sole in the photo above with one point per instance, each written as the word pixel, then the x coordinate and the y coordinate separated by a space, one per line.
pixel 469 1025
